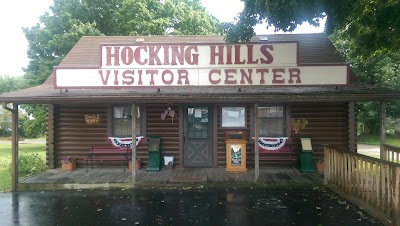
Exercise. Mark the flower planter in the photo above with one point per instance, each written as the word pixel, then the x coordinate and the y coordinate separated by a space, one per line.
pixel 138 165
pixel 92 119
pixel 70 166
pixel 319 167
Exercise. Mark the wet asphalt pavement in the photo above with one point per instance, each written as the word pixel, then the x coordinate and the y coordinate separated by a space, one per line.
pixel 197 206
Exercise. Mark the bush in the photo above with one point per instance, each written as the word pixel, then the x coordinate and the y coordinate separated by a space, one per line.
pixel 29 164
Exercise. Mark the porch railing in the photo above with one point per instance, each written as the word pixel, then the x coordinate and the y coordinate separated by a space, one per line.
pixel 391 153
pixel 375 181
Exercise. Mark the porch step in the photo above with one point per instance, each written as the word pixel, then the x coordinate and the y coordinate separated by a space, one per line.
pixel 188 179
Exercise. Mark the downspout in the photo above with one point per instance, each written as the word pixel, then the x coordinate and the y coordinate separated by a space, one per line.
pixel 14 144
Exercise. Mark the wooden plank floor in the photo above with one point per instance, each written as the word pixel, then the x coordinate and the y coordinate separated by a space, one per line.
pixel 176 175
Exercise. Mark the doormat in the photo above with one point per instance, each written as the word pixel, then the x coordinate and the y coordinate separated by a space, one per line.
pixel 188 179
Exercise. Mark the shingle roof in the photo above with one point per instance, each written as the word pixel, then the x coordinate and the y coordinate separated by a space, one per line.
pixel 313 49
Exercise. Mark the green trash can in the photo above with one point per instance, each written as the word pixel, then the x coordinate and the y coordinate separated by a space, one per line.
pixel 306 153
pixel 154 161
pixel 306 162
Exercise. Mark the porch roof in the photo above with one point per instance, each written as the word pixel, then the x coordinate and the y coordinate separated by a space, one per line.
pixel 313 49
pixel 353 92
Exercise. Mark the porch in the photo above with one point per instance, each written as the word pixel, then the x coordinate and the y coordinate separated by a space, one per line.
pixel 117 178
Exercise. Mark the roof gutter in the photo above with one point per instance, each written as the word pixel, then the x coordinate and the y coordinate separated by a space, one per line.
pixel 4 104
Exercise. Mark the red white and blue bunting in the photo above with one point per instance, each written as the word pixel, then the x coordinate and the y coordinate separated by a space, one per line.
pixel 125 141
pixel 269 144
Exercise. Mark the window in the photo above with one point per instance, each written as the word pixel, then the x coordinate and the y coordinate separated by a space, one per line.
pixel 198 122
pixel 271 121
pixel 233 117
pixel 122 122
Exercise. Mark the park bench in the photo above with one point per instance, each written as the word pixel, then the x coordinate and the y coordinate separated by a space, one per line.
pixel 283 154
pixel 108 153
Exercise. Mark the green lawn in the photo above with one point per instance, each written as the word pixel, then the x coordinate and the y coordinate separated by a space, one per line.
pixel 374 139
pixel 5 160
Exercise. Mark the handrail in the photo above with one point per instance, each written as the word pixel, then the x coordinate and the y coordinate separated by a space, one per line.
pixel 375 181
pixel 391 153
pixel 344 150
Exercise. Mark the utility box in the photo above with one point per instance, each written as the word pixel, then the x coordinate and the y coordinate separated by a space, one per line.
pixel 236 151
pixel 306 162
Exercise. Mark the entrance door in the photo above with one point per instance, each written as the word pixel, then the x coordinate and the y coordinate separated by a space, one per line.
pixel 197 136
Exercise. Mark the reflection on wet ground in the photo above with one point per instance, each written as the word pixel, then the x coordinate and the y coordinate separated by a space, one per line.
pixel 197 206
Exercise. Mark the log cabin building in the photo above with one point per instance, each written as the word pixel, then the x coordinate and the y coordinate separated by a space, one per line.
pixel 191 90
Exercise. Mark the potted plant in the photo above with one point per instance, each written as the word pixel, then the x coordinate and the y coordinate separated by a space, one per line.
pixel 138 164
pixel 92 119
pixel 68 164
pixel 319 165
pixel 297 124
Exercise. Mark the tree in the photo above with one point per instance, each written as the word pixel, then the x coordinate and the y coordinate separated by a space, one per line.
pixel 366 32
pixel 11 83
pixel 68 20
pixel 381 68
pixel 59 30
pixel 372 25
pixel 5 122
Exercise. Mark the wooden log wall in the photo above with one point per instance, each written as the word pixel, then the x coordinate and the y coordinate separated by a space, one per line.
pixel 74 138
pixel 327 124
pixel 167 129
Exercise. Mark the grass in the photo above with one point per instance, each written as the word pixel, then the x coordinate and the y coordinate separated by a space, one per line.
pixel 5 160
pixel 391 139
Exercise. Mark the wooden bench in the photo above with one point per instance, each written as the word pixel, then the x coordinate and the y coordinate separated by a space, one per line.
pixel 284 154
pixel 108 153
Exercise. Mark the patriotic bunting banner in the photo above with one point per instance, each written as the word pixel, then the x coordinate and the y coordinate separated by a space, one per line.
pixel 271 143
pixel 125 141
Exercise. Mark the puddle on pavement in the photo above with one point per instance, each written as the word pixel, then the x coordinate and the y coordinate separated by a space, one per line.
pixel 292 206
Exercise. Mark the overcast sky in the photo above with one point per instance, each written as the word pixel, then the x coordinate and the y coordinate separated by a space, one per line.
pixel 16 14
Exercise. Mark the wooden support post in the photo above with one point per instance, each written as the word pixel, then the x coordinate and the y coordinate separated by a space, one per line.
pixel 214 139
pixel 50 137
pixel 327 165
pixel 14 147
pixel 396 195
pixel 14 144
pixel 383 131
pixel 352 126
pixel 181 136
pixel 256 150
pixel 133 114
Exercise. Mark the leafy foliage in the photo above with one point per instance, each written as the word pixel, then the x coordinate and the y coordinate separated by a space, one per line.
pixel 11 83
pixel 68 20
pixel 365 31
pixel 36 126
pixel 29 164
pixel 371 25
pixel 381 68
